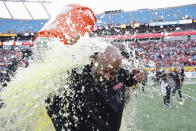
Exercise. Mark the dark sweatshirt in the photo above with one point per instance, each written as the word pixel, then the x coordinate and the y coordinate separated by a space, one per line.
pixel 90 106
pixel 176 78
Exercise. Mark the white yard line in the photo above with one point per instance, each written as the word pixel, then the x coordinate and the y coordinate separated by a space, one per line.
pixel 193 98
pixel 190 82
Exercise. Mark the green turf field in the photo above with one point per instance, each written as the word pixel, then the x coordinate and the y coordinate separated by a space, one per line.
pixel 145 112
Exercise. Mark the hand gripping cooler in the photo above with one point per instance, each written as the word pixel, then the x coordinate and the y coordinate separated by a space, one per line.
pixel 75 20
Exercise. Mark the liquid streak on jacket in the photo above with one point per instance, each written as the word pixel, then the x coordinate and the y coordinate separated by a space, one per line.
pixel 90 106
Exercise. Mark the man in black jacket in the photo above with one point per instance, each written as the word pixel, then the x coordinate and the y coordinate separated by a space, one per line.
pixel 176 78
pixel 96 97
pixel 182 76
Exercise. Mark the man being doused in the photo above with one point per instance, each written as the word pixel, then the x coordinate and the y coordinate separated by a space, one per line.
pixel 96 97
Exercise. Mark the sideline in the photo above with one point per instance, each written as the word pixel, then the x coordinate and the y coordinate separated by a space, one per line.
pixel 186 83
pixel 189 82
pixel 193 98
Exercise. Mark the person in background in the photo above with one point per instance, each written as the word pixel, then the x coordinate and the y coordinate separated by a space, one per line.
pixel 176 78
pixel 98 95
pixel 158 75
pixel 165 87
pixel 182 76
pixel 145 80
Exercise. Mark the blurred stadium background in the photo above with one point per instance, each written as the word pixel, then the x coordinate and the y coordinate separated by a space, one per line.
pixel 166 37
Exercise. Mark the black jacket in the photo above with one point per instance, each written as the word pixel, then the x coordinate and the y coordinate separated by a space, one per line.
pixel 89 106
pixel 176 78
pixel 182 75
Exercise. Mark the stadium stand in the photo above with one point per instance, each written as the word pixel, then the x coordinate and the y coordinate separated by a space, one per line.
pixel 31 26
pixel 21 26
pixel 133 26
pixel 13 21
pixel 166 15
pixel 143 16
pixel 104 19
pixel 169 53
pixel 185 12
pixel 111 18
pixel 123 18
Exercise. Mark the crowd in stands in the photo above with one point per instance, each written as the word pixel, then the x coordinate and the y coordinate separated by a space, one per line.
pixel 12 57
pixel 169 53
pixel 164 54
pixel 8 52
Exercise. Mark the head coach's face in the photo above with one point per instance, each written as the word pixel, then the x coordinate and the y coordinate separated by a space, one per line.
pixel 105 65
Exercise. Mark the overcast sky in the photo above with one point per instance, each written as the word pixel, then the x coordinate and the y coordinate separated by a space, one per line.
pixel 99 6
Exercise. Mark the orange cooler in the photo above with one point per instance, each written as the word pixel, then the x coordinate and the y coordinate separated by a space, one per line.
pixel 75 20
